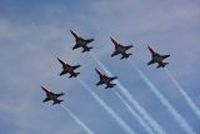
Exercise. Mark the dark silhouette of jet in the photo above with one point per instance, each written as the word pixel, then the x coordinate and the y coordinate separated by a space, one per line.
pixel 81 42
pixel 120 49
pixel 157 58
pixel 69 69
pixel 50 96
pixel 105 80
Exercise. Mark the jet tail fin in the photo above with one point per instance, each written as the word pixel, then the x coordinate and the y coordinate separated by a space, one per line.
pixel 74 74
pixel 163 64
pixel 126 56
pixel 57 102
pixel 87 49
pixel 110 86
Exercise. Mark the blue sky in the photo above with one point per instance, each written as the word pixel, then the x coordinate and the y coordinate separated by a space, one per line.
pixel 33 33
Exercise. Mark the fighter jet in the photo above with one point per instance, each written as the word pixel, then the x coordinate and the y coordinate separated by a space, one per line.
pixel 120 49
pixel 105 80
pixel 69 69
pixel 157 58
pixel 81 42
pixel 50 96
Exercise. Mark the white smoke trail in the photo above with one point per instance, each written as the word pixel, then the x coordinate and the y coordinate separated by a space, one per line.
pixel 77 120
pixel 125 91
pixel 185 95
pixel 134 113
pixel 114 115
pixel 165 102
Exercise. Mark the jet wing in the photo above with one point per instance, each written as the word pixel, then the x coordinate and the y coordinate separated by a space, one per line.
pixel 165 56
pixel 151 62
pixel 113 78
pixel 128 47
pixel 47 99
pixel 90 40
pixel 76 46
pixel 100 83
pixel 75 67
pixel 60 94
pixel 115 53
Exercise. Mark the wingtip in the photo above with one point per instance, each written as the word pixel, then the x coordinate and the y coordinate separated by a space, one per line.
pixel 115 77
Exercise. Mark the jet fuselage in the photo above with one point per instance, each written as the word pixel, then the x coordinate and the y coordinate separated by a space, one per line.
pixel 157 58
pixel 81 42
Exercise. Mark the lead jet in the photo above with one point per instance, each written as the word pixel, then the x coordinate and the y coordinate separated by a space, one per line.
pixel 157 58
pixel 51 96
pixel 120 49
pixel 81 42
pixel 105 80
pixel 69 69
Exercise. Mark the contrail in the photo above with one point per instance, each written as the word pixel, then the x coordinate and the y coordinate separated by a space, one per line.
pixel 185 95
pixel 134 113
pixel 125 91
pixel 114 115
pixel 165 102
pixel 77 120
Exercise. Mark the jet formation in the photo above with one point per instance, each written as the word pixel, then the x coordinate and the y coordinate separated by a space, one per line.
pixel 120 49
